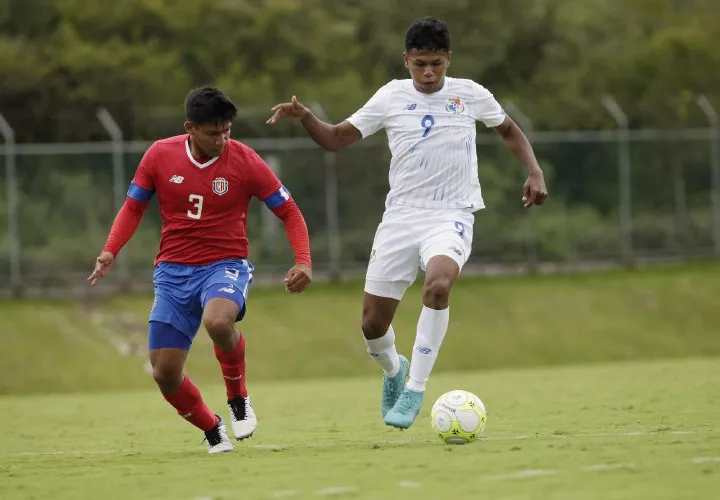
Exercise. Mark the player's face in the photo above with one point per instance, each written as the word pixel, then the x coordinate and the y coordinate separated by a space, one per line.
pixel 427 68
pixel 209 138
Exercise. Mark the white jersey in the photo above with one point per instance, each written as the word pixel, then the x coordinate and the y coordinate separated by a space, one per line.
pixel 432 141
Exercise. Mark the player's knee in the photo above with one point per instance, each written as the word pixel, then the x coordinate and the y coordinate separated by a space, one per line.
pixel 167 376
pixel 373 326
pixel 222 331
pixel 219 326
pixel 436 293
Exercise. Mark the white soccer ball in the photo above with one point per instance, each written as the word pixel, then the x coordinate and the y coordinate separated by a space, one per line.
pixel 458 417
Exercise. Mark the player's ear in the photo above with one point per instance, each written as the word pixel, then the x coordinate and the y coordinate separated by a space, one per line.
pixel 449 57
pixel 405 58
pixel 188 127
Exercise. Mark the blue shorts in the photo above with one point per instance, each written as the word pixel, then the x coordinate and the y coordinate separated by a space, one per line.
pixel 181 292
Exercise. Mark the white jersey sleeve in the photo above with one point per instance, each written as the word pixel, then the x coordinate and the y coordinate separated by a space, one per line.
pixel 485 108
pixel 371 117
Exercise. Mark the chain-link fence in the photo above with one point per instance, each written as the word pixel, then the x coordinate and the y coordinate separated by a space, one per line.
pixel 615 197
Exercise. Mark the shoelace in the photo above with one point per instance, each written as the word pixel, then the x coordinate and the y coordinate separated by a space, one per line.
pixel 405 403
pixel 213 436
pixel 237 405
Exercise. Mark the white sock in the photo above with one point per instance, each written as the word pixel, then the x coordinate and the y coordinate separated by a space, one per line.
pixel 383 351
pixel 431 329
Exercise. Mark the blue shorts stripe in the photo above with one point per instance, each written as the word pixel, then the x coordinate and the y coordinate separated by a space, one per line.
pixel 140 194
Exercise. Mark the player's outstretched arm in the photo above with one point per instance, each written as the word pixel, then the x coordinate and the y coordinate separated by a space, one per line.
pixel 330 137
pixel 125 224
pixel 534 190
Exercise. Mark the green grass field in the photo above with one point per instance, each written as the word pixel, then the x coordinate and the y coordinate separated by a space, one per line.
pixel 495 323
pixel 599 386
pixel 633 430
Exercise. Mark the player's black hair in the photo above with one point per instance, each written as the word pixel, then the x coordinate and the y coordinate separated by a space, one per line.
pixel 209 105
pixel 428 33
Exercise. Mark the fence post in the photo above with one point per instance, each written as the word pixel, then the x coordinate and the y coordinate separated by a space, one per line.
pixel 267 219
pixel 116 135
pixel 331 206
pixel 11 190
pixel 624 178
pixel 712 117
pixel 531 235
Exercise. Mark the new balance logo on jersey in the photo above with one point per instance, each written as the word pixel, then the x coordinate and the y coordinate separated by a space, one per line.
pixel 227 289
pixel 410 107
pixel 177 179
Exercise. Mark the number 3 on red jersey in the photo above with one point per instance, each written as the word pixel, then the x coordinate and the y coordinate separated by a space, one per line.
pixel 197 203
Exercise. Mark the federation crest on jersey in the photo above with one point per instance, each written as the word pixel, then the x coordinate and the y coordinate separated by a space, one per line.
pixel 220 186
pixel 455 105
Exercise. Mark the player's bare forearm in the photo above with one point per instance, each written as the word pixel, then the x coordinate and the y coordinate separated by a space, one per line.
pixel 518 144
pixel 534 189
pixel 330 137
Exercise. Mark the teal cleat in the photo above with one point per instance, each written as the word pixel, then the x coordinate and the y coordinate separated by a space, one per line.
pixel 405 410
pixel 392 387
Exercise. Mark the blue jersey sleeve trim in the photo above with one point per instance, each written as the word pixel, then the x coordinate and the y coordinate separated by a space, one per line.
pixel 140 194
pixel 277 198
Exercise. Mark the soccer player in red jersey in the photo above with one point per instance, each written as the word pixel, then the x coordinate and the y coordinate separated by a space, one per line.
pixel 204 182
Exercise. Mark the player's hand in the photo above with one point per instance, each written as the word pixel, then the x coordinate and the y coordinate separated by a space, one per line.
pixel 102 266
pixel 294 110
pixel 534 190
pixel 298 278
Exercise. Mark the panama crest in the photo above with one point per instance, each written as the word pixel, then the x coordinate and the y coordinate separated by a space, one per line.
pixel 455 105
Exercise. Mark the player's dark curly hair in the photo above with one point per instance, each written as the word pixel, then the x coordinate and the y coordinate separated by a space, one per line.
pixel 209 105
pixel 428 33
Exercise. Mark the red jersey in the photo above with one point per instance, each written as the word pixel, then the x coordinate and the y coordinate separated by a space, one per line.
pixel 204 205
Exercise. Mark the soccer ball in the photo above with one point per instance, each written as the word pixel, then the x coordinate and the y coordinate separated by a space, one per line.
pixel 458 417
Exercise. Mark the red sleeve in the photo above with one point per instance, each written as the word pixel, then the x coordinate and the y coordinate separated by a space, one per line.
pixel 296 230
pixel 139 194
pixel 125 225
pixel 261 180
pixel 144 177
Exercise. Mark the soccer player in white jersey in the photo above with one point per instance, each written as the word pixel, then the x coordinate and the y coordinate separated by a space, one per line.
pixel 434 191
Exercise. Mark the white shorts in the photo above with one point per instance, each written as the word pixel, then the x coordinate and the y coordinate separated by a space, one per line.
pixel 407 238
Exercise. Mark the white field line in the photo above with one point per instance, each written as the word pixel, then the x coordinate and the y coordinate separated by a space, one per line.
pixel 522 474
pixel 601 467
pixel 336 490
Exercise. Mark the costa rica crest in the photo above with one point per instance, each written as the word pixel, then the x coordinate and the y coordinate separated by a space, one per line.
pixel 220 186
